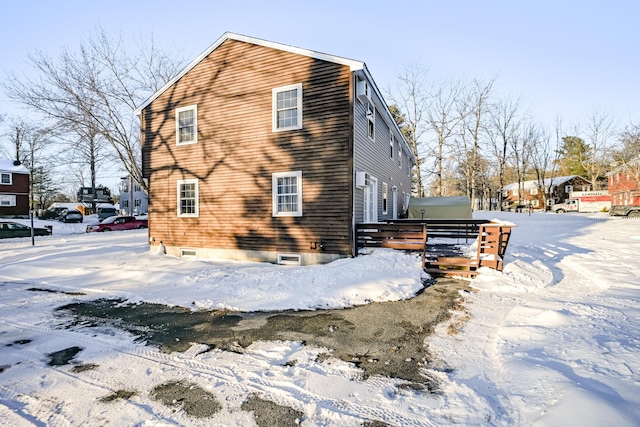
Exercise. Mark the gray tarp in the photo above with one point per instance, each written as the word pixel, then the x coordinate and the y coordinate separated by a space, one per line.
pixel 440 207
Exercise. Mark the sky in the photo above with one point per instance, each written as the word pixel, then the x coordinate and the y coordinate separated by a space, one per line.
pixel 562 59
pixel 551 340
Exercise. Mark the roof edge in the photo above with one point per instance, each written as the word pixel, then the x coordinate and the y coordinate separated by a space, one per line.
pixel 352 64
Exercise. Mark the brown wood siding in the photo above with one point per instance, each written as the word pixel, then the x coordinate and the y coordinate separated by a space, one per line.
pixel 237 152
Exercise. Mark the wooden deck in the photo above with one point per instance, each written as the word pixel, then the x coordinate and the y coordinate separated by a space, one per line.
pixel 445 242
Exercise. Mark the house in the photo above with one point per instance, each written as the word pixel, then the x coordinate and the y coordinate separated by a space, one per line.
pixel 133 199
pixel 624 184
pixel 86 195
pixel 14 189
pixel 532 194
pixel 262 151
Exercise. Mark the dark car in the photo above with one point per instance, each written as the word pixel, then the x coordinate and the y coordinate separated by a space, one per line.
pixel 104 213
pixel 114 223
pixel 71 215
pixel 52 213
pixel 14 229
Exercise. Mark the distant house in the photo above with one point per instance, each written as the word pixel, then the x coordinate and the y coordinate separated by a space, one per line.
pixel 624 184
pixel 263 151
pixel 86 195
pixel 133 199
pixel 14 189
pixel 533 194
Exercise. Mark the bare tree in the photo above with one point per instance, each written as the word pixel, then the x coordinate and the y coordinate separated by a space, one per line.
pixel 29 142
pixel 85 146
pixel 629 147
pixel 411 98
pixel 526 137
pixel 446 112
pixel 544 158
pixel 600 129
pixel 504 125
pixel 98 86
pixel 473 135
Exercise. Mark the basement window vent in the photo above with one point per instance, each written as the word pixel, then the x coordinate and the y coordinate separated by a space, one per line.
pixel 289 259
pixel 188 253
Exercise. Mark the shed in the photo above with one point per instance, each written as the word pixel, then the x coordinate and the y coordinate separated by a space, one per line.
pixel 440 207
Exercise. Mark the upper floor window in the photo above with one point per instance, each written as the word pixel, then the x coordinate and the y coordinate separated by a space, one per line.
pixel 5 178
pixel 371 122
pixel 287 107
pixel 533 191
pixel 568 188
pixel 287 193
pixel 391 144
pixel 399 155
pixel 188 198
pixel 187 125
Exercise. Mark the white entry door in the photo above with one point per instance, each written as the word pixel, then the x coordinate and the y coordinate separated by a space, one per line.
pixel 371 201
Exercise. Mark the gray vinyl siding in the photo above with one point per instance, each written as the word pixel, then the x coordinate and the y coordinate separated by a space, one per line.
pixel 373 158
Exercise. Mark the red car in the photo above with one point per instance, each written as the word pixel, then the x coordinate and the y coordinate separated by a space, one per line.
pixel 114 223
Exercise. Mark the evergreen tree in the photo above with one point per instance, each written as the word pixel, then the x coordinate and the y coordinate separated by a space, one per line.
pixel 572 155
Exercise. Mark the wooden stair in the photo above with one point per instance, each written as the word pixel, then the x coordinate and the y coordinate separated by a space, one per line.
pixel 452 266
pixel 493 239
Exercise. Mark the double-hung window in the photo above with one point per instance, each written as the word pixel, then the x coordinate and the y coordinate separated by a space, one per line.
pixel 188 198
pixel 9 200
pixel 391 144
pixel 5 178
pixel 287 193
pixel 187 125
pixel 287 107
pixel 371 122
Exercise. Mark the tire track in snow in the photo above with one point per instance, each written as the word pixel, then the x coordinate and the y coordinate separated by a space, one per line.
pixel 279 391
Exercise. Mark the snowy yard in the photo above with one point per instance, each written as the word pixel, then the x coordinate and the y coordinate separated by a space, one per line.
pixel 552 340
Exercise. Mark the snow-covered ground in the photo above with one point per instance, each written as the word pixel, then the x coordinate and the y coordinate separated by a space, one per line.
pixel 552 340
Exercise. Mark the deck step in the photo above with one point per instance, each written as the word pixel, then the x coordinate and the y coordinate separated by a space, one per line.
pixel 450 272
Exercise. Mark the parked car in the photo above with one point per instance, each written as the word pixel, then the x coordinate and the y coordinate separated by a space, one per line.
pixel 104 213
pixel 630 211
pixel 51 213
pixel 120 222
pixel 71 215
pixel 14 229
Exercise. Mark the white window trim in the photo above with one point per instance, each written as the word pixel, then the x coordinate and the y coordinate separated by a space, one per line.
pixel 10 175
pixel 195 124
pixel 8 200
pixel 533 191
pixel 274 193
pixel 274 107
pixel 197 206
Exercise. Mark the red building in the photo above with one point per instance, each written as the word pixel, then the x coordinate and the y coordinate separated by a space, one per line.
pixel 14 189
pixel 624 184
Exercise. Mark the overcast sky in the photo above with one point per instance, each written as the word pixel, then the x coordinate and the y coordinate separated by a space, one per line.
pixel 561 58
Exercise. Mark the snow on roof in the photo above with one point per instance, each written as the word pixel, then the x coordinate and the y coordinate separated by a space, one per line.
pixel 8 166
pixel 558 180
